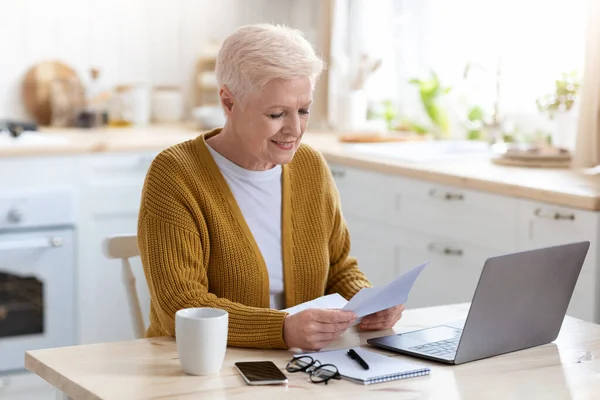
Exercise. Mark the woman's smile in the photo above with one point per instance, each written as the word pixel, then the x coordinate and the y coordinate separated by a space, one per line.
pixel 284 145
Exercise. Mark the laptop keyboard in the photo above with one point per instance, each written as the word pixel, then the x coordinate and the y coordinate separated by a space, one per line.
pixel 443 348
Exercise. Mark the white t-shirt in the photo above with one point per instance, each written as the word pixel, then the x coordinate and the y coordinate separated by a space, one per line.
pixel 258 194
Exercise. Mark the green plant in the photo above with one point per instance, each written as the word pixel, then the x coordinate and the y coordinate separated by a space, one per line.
pixel 430 91
pixel 386 111
pixel 408 125
pixel 389 114
pixel 564 96
pixel 476 117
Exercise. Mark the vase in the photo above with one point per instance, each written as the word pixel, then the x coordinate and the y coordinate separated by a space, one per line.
pixel 353 110
pixel 565 128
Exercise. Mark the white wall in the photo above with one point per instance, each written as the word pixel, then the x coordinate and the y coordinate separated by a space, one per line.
pixel 155 41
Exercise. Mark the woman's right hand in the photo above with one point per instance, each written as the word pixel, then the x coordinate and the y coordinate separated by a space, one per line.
pixel 314 328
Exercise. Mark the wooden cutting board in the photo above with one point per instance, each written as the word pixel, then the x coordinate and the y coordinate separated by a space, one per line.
pixel 37 90
pixel 532 163
pixel 376 138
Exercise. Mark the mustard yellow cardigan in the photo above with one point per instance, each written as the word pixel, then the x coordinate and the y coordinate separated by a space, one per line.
pixel 197 250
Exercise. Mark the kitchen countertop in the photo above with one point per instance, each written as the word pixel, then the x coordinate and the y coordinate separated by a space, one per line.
pixel 561 186
pixel 101 140
pixel 565 187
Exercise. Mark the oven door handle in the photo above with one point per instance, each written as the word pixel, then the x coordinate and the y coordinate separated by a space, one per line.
pixel 29 244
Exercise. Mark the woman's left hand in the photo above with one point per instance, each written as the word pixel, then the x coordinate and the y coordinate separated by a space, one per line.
pixel 384 319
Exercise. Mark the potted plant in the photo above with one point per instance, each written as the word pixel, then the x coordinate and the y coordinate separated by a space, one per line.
pixel 431 92
pixel 561 107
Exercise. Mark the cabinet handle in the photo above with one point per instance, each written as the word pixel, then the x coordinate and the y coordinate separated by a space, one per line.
pixel 554 215
pixel 28 244
pixel 445 250
pixel 446 195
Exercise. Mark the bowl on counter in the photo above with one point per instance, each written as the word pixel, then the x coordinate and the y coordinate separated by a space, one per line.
pixel 208 117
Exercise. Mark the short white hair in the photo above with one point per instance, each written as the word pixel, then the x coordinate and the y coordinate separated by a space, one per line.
pixel 256 54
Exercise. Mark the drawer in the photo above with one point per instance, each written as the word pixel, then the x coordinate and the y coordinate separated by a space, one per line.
pixel 542 225
pixel 546 223
pixel 364 194
pixel 452 273
pixel 112 168
pixel 37 171
pixel 466 215
pixel 111 200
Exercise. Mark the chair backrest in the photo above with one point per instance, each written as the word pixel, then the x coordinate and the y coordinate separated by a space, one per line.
pixel 124 247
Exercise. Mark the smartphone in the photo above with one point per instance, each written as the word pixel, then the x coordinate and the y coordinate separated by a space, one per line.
pixel 261 373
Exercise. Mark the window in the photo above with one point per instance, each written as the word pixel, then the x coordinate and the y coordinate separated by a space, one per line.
pixel 532 42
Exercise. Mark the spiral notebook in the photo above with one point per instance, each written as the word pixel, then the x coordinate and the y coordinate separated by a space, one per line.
pixel 381 368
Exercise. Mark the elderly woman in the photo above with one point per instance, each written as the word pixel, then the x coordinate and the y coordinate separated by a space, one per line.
pixel 247 219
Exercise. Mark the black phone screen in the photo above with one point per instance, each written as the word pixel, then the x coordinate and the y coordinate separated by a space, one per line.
pixel 260 371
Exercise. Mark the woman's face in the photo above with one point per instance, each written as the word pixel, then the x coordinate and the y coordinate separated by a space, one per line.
pixel 270 125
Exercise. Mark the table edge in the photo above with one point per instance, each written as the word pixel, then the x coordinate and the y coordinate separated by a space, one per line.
pixel 57 380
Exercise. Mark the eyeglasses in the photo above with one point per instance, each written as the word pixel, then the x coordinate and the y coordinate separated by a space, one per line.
pixel 319 373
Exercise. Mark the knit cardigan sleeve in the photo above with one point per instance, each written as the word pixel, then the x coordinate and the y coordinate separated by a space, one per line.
pixel 174 256
pixel 344 276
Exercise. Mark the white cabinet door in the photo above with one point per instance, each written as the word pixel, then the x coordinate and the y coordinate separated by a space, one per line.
pixel 25 386
pixel 39 172
pixel 476 217
pixel 453 270
pixel 111 190
pixel 370 246
pixel 542 225
pixel 103 309
pixel 364 205
pixel 364 194
pixel 104 312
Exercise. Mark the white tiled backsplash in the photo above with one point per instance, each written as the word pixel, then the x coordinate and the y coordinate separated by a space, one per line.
pixel 151 41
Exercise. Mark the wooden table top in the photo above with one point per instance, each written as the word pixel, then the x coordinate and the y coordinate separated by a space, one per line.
pixel 149 369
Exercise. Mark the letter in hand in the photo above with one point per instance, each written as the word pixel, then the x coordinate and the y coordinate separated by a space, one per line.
pixel 315 328
pixel 385 319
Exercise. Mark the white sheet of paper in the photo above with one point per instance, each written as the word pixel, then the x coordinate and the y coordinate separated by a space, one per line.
pixel 368 300
pixel 371 300
pixel 330 301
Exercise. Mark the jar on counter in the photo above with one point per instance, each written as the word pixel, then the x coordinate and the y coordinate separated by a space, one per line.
pixel 130 105
pixel 167 104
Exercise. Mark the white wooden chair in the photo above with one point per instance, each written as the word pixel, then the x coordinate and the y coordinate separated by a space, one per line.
pixel 125 247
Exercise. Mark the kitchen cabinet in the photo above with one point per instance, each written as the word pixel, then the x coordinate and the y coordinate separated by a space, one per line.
pixel 439 210
pixel 407 222
pixel 453 270
pixel 36 173
pixel 110 188
pixel 25 386
pixel 364 194
pixel 372 246
pixel 542 225
pixel 395 223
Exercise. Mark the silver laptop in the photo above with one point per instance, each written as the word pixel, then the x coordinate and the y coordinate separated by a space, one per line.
pixel 520 302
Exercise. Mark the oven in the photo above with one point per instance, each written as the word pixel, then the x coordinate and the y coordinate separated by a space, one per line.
pixel 37 273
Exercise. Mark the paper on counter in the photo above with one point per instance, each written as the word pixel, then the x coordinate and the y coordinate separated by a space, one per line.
pixel 368 300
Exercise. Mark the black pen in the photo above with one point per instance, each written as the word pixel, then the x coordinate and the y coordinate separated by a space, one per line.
pixel 354 355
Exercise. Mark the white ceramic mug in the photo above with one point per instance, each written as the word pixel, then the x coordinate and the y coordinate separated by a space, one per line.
pixel 201 335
